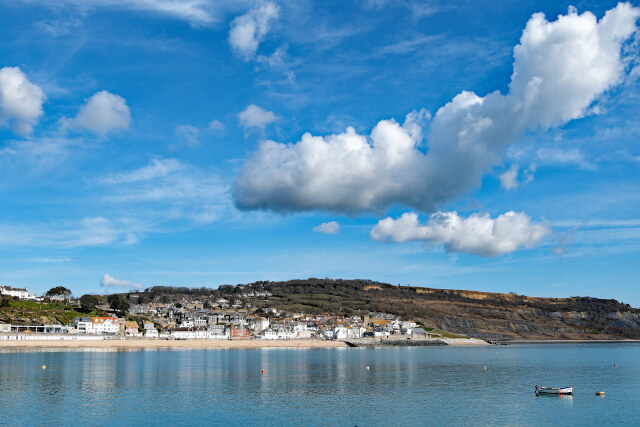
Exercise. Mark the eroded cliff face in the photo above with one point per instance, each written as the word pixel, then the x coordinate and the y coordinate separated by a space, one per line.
pixel 514 317
pixel 491 316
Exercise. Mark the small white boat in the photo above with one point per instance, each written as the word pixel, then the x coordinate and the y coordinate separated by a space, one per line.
pixel 554 390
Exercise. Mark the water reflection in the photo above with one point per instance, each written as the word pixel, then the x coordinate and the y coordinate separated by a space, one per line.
pixel 413 386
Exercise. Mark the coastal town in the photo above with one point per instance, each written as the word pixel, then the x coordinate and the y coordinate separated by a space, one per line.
pixel 202 319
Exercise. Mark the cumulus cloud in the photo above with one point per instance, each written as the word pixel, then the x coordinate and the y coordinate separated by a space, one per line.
pixel 20 101
pixel 189 134
pixel 216 126
pixel 255 117
pixel 509 179
pixel 560 68
pixel 330 227
pixel 249 30
pixel 111 282
pixel 104 112
pixel 478 234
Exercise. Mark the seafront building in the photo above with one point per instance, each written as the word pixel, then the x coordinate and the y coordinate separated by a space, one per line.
pixel 222 319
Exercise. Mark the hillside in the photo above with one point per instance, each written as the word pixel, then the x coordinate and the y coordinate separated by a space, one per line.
pixel 485 315
pixel 490 316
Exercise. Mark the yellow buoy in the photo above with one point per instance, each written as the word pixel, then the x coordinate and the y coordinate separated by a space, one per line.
pixel 599 393
pixel 44 367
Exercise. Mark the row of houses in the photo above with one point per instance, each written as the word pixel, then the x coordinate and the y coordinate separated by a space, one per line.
pixel 20 293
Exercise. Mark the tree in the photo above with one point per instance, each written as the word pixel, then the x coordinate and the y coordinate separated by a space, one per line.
pixel 118 304
pixel 88 302
pixel 59 291
pixel 206 305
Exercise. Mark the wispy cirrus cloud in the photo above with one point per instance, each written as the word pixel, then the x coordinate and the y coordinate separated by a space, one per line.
pixel 157 168
pixel 169 190
pixel 87 231
pixel 198 13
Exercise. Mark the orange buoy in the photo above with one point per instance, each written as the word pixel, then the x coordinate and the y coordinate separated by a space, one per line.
pixel 44 367
pixel 615 364
pixel 263 371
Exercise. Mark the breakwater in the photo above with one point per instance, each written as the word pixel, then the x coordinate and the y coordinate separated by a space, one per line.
pixel 390 342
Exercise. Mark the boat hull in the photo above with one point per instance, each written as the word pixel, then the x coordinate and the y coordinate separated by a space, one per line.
pixel 554 390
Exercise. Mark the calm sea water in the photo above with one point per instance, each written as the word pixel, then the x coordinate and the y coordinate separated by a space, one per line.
pixel 403 386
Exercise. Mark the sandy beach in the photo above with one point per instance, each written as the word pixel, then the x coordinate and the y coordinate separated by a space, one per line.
pixel 185 344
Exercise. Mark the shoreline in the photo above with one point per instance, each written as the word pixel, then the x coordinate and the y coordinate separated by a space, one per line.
pixel 617 341
pixel 170 344
pixel 133 344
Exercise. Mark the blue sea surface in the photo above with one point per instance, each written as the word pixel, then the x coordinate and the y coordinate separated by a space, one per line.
pixel 403 386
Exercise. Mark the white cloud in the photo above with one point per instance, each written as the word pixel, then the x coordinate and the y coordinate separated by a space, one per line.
pixel 28 161
pixel 330 227
pixel 111 282
pixel 559 156
pixel 189 134
pixel 20 101
pixel 216 126
pixel 509 179
pixel 88 231
pixel 418 8
pixel 47 260
pixel 255 117
pixel 560 69
pixel 196 12
pixel 528 175
pixel 249 30
pixel 478 234
pixel 104 112
pixel 156 169
pixel 170 190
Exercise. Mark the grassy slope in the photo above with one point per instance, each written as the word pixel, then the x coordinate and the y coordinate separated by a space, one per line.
pixel 31 312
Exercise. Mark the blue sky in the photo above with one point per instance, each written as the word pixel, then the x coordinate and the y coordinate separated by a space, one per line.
pixel 200 143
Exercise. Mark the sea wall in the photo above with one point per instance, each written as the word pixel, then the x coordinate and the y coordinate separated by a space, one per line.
pixel 393 342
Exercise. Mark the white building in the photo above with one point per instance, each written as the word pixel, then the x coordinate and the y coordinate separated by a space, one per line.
pixel 20 293
pixel 96 325
pixel 187 323
pixel 188 333
pixel 328 334
pixel 260 323
pixel 151 333
pixel 340 332
pixel 269 334
pixel 217 332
